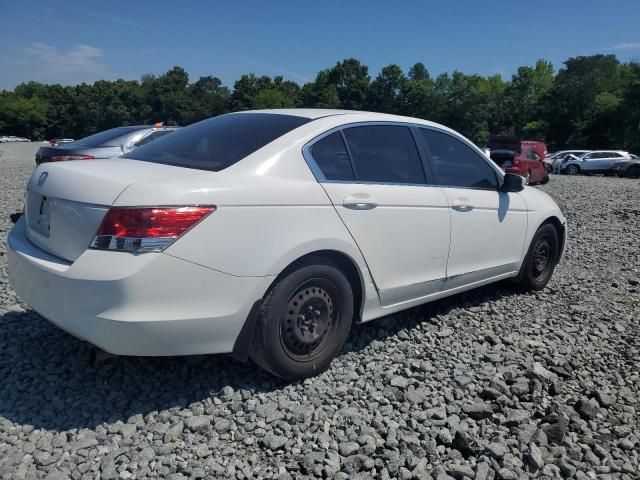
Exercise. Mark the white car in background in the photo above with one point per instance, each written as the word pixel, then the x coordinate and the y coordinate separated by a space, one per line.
pixel 597 161
pixel 556 159
pixel 269 233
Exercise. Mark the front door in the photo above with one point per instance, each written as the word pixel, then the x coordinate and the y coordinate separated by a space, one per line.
pixel 488 227
pixel 597 162
pixel 377 183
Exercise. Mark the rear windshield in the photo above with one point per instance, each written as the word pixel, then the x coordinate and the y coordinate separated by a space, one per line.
pixel 218 142
pixel 108 138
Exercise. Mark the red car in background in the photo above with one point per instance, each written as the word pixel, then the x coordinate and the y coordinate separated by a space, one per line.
pixel 524 158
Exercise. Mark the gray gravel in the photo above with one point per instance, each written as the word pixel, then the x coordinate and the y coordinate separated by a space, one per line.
pixel 489 384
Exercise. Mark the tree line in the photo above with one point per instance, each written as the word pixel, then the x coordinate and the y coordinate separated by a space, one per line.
pixel 591 102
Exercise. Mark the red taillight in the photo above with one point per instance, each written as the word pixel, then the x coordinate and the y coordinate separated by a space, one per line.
pixel 64 158
pixel 146 229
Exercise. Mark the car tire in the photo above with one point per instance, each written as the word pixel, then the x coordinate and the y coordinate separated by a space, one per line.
pixel 303 321
pixel 572 170
pixel 545 179
pixel 541 259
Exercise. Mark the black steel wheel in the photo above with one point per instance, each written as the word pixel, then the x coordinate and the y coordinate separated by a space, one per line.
pixel 541 259
pixel 309 318
pixel 304 320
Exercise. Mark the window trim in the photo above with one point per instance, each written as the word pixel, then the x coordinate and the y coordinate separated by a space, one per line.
pixel 320 177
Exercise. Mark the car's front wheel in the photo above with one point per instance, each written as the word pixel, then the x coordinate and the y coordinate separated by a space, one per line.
pixel 541 259
pixel 573 170
pixel 304 320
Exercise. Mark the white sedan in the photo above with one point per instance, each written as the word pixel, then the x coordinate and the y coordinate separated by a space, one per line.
pixel 269 233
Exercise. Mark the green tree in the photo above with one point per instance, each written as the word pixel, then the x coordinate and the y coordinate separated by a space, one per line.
pixel 524 97
pixel 26 117
pixel 386 92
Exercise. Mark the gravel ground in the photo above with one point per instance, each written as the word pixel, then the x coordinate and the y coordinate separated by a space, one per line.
pixel 489 384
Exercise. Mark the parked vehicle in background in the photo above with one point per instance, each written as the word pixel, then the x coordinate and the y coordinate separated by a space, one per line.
pixel 267 234
pixel 557 158
pixel 57 141
pixel 538 147
pixel 13 138
pixel 519 157
pixel 108 144
pixel 627 167
pixel 598 161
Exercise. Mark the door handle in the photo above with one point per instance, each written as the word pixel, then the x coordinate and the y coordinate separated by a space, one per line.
pixel 359 205
pixel 462 208
pixel 359 201
pixel 462 205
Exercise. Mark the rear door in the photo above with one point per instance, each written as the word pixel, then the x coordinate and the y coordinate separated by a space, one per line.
pixel 375 178
pixel 488 227
pixel 609 161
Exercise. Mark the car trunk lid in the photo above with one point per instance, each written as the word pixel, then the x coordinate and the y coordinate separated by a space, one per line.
pixel 66 201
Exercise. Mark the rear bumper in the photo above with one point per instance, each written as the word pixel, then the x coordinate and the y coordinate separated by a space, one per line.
pixel 144 305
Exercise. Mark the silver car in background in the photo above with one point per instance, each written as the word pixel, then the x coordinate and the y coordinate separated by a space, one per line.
pixel 598 161
pixel 556 159
pixel 108 144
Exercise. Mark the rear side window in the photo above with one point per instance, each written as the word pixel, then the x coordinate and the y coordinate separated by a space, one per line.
pixel 218 142
pixel 456 164
pixel 332 158
pixel 384 153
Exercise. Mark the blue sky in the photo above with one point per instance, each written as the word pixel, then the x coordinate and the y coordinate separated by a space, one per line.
pixel 73 41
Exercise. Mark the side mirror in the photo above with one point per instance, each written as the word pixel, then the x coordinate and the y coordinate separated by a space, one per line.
pixel 512 183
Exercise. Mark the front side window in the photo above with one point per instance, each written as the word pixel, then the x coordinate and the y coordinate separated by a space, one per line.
pixel 218 142
pixel 456 164
pixel 330 154
pixel 384 153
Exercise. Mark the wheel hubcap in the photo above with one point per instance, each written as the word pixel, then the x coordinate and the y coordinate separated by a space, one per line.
pixel 541 256
pixel 308 318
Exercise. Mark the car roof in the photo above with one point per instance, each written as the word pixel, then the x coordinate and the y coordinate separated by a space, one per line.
pixel 311 113
pixel 142 127
pixel 349 116
pixel 609 151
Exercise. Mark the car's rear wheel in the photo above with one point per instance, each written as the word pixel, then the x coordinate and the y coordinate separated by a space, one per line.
pixel 545 179
pixel 541 259
pixel 304 320
pixel 633 172
pixel 573 170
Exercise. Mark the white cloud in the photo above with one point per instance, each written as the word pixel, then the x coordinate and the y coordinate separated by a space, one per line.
pixel 80 63
pixel 627 46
